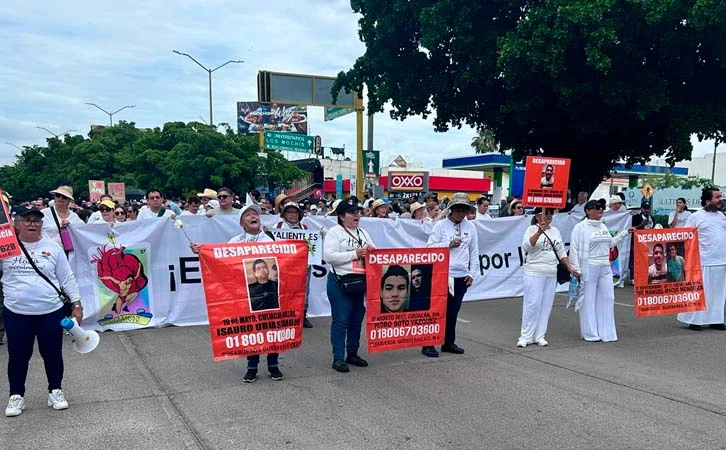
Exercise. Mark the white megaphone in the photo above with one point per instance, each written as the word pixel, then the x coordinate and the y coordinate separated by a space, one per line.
pixel 84 341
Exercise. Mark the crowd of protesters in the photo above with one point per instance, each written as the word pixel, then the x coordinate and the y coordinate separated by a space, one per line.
pixel 42 225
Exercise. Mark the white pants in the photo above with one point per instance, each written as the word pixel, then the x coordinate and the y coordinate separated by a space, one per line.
pixel 714 287
pixel 597 312
pixel 539 294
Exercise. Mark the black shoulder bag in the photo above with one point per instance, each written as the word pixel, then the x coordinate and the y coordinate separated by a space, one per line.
pixel 353 283
pixel 67 303
pixel 563 273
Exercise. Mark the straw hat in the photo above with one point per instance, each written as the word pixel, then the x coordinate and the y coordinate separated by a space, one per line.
pixel 334 207
pixel 461 199
pixel 281 199
pixel 65 191
pixel 379 202
pixel 208 193
pixel 415 206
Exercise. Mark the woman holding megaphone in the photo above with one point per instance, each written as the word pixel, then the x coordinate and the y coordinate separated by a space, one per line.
pixel 33 309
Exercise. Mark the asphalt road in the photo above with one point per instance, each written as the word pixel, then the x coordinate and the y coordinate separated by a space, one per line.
pixel 660 386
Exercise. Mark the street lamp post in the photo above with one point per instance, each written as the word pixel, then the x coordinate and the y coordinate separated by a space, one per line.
pixel 14 145
pixel 209 72
pixel 57 136
pixel 111 114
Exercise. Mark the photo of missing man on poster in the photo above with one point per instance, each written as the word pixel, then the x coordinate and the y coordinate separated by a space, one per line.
pixel 675 262
pixel 262 283
pixel 657 269
pixel 405 288
pixel 548 177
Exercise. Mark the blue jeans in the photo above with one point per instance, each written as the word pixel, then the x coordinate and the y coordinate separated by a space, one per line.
pixel 347 314
pixel 453 305
pixel 22 330
pixel 254 360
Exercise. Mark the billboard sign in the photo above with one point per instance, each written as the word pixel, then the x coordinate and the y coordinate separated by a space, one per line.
pixel 255 118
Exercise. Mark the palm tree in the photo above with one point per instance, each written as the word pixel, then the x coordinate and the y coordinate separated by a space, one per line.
pixel 485 141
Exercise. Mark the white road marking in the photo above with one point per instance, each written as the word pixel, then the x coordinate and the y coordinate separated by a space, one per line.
pixel 462 320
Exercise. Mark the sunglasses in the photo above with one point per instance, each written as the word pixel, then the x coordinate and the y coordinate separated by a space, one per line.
pixel 519 207
pixel 61 196
pixel 130 211
pixel 105 210
pixel 119 213
pixel 223 197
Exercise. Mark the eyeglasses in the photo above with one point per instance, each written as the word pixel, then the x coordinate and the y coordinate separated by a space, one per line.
pixel 32 221
pixel 223 197
pixel 119 213
pixel 155 197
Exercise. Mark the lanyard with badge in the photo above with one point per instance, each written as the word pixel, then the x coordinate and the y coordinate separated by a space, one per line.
pixel 357 265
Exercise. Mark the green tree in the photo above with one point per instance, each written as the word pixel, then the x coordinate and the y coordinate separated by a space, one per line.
pixel 599 81
pixel 178 158
pixel 485 141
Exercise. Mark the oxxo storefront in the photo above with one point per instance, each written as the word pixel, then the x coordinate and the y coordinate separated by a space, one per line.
pixel 406 183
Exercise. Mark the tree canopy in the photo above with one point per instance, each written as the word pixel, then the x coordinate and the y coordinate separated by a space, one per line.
pixel 599 81
pixel 178 159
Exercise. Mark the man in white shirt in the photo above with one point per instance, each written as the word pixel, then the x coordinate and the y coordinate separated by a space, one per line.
pixel 711 225
pixel 482 208
pixel 460 237
pixel 155 207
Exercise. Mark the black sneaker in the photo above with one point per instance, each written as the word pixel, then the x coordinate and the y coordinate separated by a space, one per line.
pixel 250 376
pixel 453 348
pixel 275 373
pixel 355 360
pixel 717 326
pixel 695 327
pixel 430 352
pixel 307 323
pixel 340 366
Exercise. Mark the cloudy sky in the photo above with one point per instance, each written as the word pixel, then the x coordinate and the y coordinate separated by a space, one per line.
pixel 56 56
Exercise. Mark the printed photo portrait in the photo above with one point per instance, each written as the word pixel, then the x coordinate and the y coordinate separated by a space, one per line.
pixel 420 292
pixel 675 262
pixel 548 177
pixel 262 283
pixel 657 267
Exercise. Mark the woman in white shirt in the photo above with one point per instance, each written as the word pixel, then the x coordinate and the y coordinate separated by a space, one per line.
pixel 59 216
pixel 590 244
pixel 33 310
pixel 678 217
pixel 346 246
pixel 544 247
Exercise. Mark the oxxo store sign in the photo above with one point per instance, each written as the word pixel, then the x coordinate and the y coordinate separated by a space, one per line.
pixel 407 184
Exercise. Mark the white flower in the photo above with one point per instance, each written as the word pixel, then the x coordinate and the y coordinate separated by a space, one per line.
pixel 178 223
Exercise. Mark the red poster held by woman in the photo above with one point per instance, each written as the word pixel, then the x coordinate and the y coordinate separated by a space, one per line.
pixel 255 294
pixel 406 297
pixel 545 181
pixel 668 276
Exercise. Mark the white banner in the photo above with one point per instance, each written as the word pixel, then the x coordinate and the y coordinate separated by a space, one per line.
pixel 143 273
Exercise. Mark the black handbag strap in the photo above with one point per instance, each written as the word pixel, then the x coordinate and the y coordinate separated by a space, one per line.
pixel 553 246
pixel 55 217
pixel 40 274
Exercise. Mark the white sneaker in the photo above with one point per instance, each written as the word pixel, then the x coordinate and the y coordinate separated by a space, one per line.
pixel 57 400
pixel 542 342
pixel 16 405
pixel 522 343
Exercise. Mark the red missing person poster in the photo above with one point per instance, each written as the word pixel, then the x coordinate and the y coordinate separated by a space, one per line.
pixel 255 295
pixel 406 297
